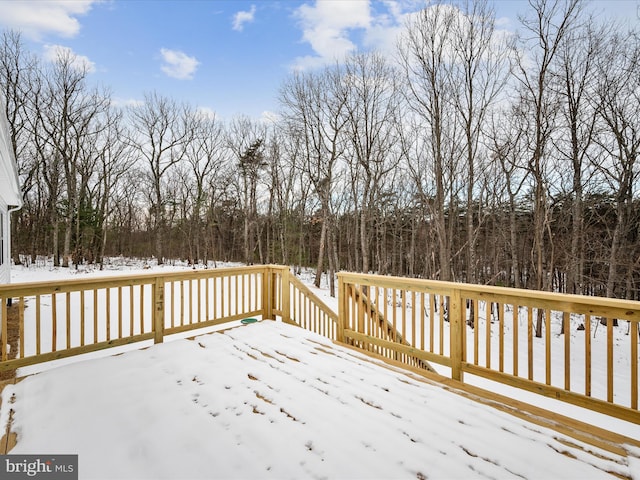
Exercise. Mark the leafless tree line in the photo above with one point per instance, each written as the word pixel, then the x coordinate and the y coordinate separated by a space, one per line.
pixel 472 155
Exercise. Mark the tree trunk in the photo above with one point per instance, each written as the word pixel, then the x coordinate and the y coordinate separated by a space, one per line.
pixel 321 249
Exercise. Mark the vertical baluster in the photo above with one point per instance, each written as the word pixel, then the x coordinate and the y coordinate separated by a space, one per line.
pixel 21 314
pixel 432 314
pixel 131 310
pixel 68 318
pixel 181 302
pixel 230 303
pixel 441 333
pixel 413 318
pixel 222 302
pixel 394 314
pixel 238 301
pixel 476 330
pixel 547 345
pixel 215 298
pixel 587 355
pixel 463 327
pixel 516 321
pixel 38 329
pixel 423 320
pixel 404 314
pixel 5 328
pixel 488 334
pixel 633 337
pixel 108 314
pixel 609 360
pixel 120 311
pixel 191 299
pixel 95 316
pixel 54 321
pixel 566 325
pixel 142 287
pixel 530 343
pixel 198 301
pixel 207 292
pixel 82 319
pixel 501 336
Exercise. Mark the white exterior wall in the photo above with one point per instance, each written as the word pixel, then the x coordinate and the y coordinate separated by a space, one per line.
pixel 5 246
pixel 10 194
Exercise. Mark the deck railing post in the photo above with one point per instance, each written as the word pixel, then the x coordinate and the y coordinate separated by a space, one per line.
pixel 267 293
pixel 456 324
pixel 342 310
pixel 285 292
pixel 3 317
pixel 158 311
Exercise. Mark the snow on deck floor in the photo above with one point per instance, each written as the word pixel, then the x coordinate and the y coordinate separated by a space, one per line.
pixel 270 400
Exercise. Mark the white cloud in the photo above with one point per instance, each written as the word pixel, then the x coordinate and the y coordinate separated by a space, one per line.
pixel 268 117
pixel 242 17
pixel 126 102
pixel 326 26
pixel 53 53
pixel 178 64
pixel 36 18
pixel 207 112
pixel 385 28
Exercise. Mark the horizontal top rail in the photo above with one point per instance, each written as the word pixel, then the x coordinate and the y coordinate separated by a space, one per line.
pixel 74 285
pixel 583 304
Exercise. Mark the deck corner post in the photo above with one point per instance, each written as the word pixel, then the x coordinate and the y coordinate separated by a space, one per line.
pixel 456 334
pixel 158 311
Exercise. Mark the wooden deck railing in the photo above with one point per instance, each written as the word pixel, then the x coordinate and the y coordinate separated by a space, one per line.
pixel 469 329
pixel 296 304
pixel 73 317
pixel 489 332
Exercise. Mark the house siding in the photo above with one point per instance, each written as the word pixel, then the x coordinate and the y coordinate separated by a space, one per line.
pixel 5 244
pixel 10 194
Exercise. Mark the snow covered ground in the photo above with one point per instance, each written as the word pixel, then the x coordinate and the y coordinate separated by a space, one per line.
pixel 268 401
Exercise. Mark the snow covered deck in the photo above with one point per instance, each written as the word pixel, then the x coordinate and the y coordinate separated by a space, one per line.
pixel 271 400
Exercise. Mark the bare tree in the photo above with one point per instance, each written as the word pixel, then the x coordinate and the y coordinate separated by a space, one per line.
pixel 371 120
pixel 537 49
pixel 505 144
pixel 205 155
pixel 618 96
pixel 159 134
pixel 246 139
pixel 114 163
pixel 71 123
pixel 251 162
pixel 576 84
pixel 424 55
pixel 313 106
pixel 292 192
pixel 18 69
pixel 479 73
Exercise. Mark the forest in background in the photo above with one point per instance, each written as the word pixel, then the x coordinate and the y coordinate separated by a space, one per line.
pixel 471 154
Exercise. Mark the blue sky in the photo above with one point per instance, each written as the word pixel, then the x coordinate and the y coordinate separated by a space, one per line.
pixel 223 55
